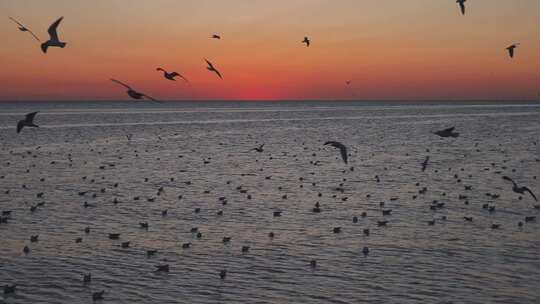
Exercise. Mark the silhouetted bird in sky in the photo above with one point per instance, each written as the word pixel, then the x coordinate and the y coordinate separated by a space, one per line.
pixel 132 93
pixel 306 41
pixel 211 68
pixel 462 5
pixel 511 49
pixel 520 190
pixel 342 148
pixel 447 133
pixel 23 28
pixel 27 122
pixel 171 75
pixel 215 36
pixel 53 41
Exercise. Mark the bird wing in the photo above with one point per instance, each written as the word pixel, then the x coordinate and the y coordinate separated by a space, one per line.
pixel 185 79
pixel 52 29
pixel 20 125
pixel 449 129
pixel 509 179
pixel 151 98
pixel 462 6
pixel 210 65
pixel 532 194
pixel 30 116
pixel 218 73
pixel 511 52
pixel 342 148
pixel 12 19
pixel 32 33
pixel 121 83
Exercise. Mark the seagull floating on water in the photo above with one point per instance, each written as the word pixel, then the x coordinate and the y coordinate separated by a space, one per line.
pixel 23 28
pixel 53 41
pixel 27 122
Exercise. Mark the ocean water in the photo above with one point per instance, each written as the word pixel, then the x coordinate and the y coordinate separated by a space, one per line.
pixel 199 152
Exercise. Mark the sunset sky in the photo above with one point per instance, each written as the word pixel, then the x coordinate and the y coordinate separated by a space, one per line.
pixel 389 49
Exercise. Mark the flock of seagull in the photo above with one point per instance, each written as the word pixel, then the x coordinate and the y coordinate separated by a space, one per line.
pixel 28 121
pixel 54 41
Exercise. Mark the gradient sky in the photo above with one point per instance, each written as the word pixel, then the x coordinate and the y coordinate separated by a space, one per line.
pixel 389 49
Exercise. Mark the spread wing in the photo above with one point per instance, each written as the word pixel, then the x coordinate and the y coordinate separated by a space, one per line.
pixel 532 194
pixel 30 116
pixel 20 125
pixel 342 148
pixel 449 129
pixel 218 73
pixel 210 65
pixel 121 83
pixel 25 28
pixel 509 179
pixel 462 6
pixel 52 29
pixel 151 98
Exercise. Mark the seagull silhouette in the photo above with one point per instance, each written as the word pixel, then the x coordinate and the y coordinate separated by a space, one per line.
pixel 511 49
pixel 258 149
pixel 462 5
pixel 342 148
pixel 215 36
pixel 306 41
pixel 132 93
pixel 211 68
pixel 447 133
pixel 520 190
pixel 23 28
pixel 53 41
pixel 171 75
pixel 27 122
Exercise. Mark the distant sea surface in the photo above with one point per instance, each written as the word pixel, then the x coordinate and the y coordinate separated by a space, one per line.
pixel 198 152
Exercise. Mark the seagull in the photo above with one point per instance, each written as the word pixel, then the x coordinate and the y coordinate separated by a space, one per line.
pixel 211 68
pixel 54 40
pixel 215 36
pixel 23 28
pixel 341 148
pixel 511 49
pixel 425 163
pixel 520 190
pixel 348 82
pixel 306 41
pixel 171 75
pixel 447 133
pixel 259 149
pixel 462 5
pixel 27 122
pixel 132 93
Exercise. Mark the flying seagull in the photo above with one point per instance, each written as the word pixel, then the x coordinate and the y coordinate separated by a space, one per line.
pixel 54 41
pixel 462 5
pixel 341 148
pixel 447 133
pixel 306 41
pixel 215 36
pixel 27 122
pixel 171 75
pixel 511 49
pixel 132 93
pixel 425 163
pixel 23 28
pixel 520 190
pixel 211 68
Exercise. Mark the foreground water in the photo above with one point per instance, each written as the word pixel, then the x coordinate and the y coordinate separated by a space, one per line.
pixel 201 152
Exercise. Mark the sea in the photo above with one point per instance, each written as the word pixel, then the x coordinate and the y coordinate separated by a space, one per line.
pixel 110 166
